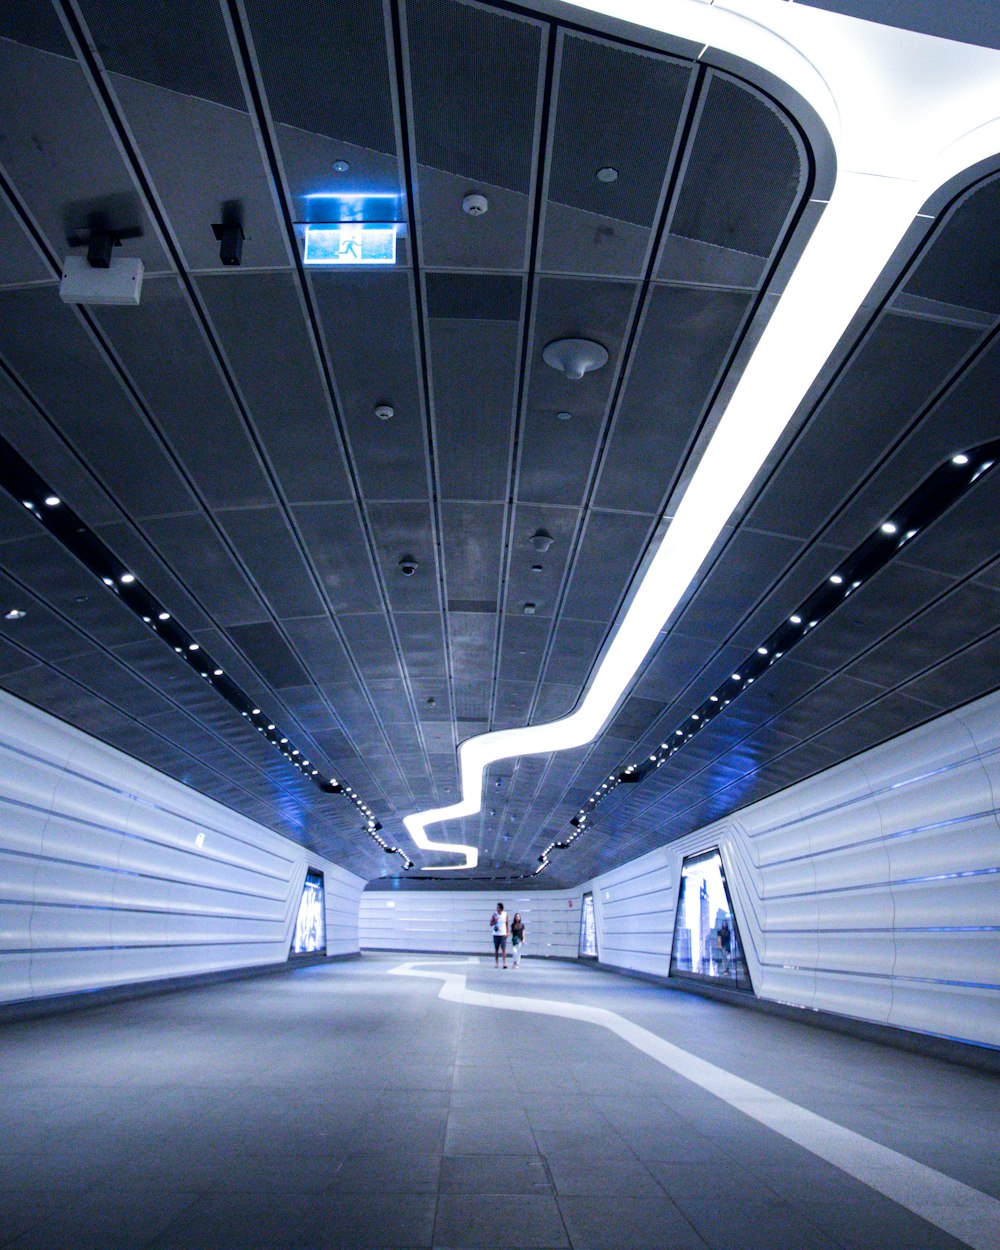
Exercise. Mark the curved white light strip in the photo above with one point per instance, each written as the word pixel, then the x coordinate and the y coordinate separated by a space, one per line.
pixel 906 113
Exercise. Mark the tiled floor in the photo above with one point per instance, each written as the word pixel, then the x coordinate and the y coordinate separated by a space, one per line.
pixel 339 1106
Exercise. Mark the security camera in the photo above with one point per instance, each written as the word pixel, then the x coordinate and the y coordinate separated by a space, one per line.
pixel 408 566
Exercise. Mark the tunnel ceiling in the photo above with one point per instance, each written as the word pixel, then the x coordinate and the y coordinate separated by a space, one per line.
pixel 221 441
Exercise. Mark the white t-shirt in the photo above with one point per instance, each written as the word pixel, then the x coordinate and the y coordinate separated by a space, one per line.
pixel 500 923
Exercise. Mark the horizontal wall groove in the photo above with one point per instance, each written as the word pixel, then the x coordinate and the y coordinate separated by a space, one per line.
pixel 85 921
pixel 879 838
pixel 129 796
pixel 133 874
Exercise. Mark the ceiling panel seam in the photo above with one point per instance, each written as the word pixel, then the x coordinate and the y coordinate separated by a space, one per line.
pixel 947 386
pixel 402 92
pixel 541 153
pixel 251 75
pixel 107 102
pixel 110 655
pixel 706 766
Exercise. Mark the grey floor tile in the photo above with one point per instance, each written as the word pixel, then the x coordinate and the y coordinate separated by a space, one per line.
pixel 386 1170
pixel 255 1098
pixel 471 1133
pixel 487 1221
pixel 234 1222
pixel 632 1223
pixel 725 1221
pixel 860 1223
pixel 494 1174
pixel 573 1175
pixel 64 1171
pixel 107 1216
pixel 584 1144
pixel 701 1180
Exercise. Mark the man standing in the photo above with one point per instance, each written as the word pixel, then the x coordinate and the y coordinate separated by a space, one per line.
pixel 498 923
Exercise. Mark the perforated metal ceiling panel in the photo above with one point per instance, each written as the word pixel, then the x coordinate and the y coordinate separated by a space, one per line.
pixel 221 439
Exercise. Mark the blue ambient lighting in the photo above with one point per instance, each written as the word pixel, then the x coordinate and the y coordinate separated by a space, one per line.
pixel 343 244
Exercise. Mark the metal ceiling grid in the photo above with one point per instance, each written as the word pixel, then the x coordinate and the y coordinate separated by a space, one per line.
pixel 914 391
pixel 222 437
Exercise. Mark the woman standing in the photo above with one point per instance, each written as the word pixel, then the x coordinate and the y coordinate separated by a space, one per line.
pixel 516 937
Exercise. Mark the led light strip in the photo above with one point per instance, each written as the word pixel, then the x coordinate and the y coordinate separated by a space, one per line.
pixel 906 113
pixel 24 484
pixel 932 498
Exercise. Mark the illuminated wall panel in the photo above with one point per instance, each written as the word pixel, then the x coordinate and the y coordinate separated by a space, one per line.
pixel 111 872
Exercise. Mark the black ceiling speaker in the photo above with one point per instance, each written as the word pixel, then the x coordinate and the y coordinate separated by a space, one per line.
pixel 230 235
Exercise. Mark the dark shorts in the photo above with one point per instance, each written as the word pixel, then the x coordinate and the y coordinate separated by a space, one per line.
pixel 500 942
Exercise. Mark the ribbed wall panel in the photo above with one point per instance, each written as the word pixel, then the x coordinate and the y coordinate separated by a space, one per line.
pixel 871 890
pixel 458 921
pixel 112 873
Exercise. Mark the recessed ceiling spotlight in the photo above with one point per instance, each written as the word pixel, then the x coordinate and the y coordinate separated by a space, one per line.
pixel 565 416
pixel 108 581
pixel 53 501
pixel 270 727
pixel 255 711
pixel 536 568
pixel 127 579
pixel 216 672
pixel 762 650
pixel 341 167
pixel 737 677
pixel 607 173
pixel 15 614
pixel 796 620
pixel 193 646
pixel 836 579
pixel 959 459
pixel 385 412
pixel 889 528
pixel 163 616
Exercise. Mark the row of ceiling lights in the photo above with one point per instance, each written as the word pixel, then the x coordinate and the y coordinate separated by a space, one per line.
pixel 60 520
pixel 938 492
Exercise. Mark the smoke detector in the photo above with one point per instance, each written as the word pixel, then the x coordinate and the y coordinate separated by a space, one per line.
pixel 475 205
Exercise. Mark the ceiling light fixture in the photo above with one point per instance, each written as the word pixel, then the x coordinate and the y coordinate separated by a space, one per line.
pixel 575 357
pixel 891 156
pixel 541 540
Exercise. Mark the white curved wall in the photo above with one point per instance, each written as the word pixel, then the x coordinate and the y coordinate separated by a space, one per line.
pixel 457 921
pixel 111 872
pixel 871 890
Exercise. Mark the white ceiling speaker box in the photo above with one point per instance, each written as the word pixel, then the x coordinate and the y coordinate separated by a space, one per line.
pixel 119 283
